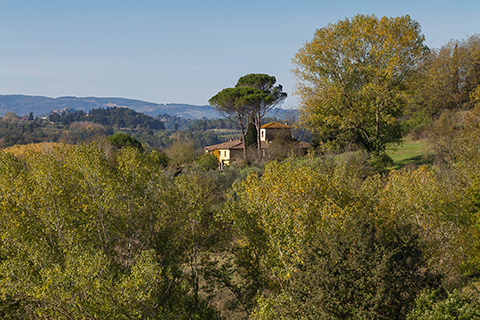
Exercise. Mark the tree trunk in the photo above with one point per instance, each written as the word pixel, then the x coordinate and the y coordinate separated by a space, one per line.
pixel 243 141
pixel 257 124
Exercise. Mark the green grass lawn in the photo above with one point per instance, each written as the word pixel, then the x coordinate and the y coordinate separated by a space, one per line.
pixel 418 152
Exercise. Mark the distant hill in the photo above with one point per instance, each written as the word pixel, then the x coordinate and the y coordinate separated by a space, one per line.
pixel 22 105
pixel 39 105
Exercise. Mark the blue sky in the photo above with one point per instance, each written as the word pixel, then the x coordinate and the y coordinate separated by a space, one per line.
pixel 182 51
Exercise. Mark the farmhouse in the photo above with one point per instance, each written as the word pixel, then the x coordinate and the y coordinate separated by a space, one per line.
pixel 233 149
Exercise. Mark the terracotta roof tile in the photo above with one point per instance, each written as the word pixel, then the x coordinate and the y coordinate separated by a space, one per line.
pixel 234 144
pixel 275 125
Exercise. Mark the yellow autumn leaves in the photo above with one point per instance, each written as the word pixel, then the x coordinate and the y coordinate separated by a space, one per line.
pixel 277 214
pixel 352 78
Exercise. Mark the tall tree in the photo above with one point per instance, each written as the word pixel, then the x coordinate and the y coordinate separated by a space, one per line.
pixel 450 74
pixel 251 137
pixel 237 104
pixel 352 78
pixel 273 96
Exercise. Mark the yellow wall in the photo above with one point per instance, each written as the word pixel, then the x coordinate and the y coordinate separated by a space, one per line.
pixel 224 155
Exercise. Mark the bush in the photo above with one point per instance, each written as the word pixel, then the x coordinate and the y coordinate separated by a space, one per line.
pixel 463 305
pixel 120 140
pixel 181 153
pixel 207 162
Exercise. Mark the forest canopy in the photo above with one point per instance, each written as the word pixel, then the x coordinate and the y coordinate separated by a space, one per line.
pixel 111 116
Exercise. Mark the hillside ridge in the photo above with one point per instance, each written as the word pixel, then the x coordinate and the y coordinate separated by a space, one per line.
pixel 41 105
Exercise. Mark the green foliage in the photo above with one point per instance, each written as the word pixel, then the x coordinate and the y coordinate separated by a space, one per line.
pixel 19 131
pixel 170 121
pixel 373 241
pixel 232 174
pixel 240 103
pixel 380 161
pixel 435 203
pixel 159 157
pixel 273 96
pixel 82 239
pixel 456 305
pixel 88 232
pixel 450 74
pixel 24 131
pixel 273 216
pixel 85 237
pixel 251 136
pixel 207 124
pixel 10 116
pixel 265 83
pixel 366 269
pixel 114 116
pixel 207 162
pixel 182 153
pixel 442 133
pixel 283 146
pixel 353 76
pixel 121 140
pixel 466 144
pixel 467 164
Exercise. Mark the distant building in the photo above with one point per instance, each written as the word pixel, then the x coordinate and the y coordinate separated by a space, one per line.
pixel 226 151
pixel 269 131
pixel 233 149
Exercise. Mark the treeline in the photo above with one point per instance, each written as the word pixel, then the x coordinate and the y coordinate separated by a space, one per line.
pixel 174 122
pixel 111 116
pixel 450 78
pixel 208 124
pixel 76 127
pixel 21 131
